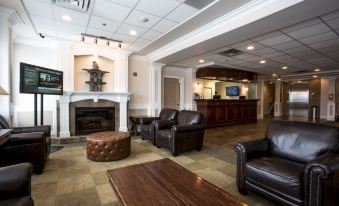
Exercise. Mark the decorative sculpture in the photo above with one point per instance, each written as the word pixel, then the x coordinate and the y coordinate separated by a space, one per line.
pixel 95 82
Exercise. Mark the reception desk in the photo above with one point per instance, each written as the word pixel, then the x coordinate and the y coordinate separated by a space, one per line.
pixel 223 112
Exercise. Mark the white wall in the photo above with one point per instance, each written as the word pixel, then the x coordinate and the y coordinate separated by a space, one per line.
pixel 24 103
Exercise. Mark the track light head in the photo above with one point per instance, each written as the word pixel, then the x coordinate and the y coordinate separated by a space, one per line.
pixel 95 41
pixel 41 36
pixel 82 38
pixel 119 45
pixel 107 43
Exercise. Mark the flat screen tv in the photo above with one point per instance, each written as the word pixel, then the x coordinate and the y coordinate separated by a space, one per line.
pixel 40 80
pixel 232 91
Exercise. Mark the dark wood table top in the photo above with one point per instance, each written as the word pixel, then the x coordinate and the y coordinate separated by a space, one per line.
pixel 165 183
pixel 4 135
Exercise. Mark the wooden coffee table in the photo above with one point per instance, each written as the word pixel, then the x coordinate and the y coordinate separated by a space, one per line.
pixel 165 183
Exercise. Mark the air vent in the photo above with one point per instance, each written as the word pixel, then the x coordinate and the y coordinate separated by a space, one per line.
pixel 231 52
pixel 78 5
pixel 198 4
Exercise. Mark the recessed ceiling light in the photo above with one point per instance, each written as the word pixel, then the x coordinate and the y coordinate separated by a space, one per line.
pixel 201 61
pixel 299 81
pixel 133 32
pixel 315 76
pixel 143 19
pixel 279 79
pixel 284 67
pixel 245 80
pixel 274 75
pixel 263 62
pixel 317 70
pixel 66 18
pixel 250 47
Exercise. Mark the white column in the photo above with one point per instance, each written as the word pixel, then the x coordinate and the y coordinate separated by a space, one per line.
pixel 64 115
pixel 66 63
pixel 123 116
pixel 121 71
pixel 260 97
pixel 5 63
pixel 277 103
pixel 156 85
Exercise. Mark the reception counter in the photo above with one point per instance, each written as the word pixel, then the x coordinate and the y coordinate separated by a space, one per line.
pixel 223 112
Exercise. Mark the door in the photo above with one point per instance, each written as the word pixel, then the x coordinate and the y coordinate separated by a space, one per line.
pixel 171 93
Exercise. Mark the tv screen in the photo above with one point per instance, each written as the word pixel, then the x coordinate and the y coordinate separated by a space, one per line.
pixel 232 91
pixel 40 80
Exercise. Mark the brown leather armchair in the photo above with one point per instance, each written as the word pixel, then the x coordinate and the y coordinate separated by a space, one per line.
pixel 26 144
pixel 297 163
pixel 147 124
pixel 15 185
pixel 187 134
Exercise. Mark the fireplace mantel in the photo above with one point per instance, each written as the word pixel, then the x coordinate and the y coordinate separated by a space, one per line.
pixel 121 97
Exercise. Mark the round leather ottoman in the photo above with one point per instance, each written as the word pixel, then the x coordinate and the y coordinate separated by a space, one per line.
pixel 108 146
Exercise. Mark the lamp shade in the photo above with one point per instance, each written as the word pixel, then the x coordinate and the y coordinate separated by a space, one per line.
pixel 3 92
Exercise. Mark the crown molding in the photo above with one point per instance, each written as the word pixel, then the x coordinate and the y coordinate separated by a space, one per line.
pixel 11 15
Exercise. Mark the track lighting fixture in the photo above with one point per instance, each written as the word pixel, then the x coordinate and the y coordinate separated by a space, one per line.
pixel 97 38
pixel 107 43
pixel 95 41
pixel 41 35
pixel 120 45
pixel 82 38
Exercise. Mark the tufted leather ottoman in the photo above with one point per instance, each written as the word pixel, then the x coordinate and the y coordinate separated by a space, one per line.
pixel 108 146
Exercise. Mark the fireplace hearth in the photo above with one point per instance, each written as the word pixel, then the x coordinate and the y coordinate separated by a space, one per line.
pixel 94 119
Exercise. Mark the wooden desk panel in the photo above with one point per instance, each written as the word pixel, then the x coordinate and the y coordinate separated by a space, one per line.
pixel 165 183
pixel 223 112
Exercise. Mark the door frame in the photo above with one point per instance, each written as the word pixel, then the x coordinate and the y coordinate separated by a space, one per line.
pixel 181 92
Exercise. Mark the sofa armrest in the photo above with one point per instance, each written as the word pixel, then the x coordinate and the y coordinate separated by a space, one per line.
pixel 322 170
pixel 46 129
pixel 163 124
pixel 15 181
pixel 148 120
pixel 187 128
pixel 25 138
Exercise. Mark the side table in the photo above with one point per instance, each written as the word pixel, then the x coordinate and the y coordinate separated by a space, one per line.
pixel 135 122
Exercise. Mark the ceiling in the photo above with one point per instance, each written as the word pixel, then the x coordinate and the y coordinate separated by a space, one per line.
pixel 114 19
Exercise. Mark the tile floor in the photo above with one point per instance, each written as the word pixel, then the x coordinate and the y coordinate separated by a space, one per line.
pixel 70 179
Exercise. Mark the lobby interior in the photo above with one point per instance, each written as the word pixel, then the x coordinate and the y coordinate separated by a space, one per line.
pixel 221 74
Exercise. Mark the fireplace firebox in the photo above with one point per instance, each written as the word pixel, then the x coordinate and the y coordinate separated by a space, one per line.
pixel 94 119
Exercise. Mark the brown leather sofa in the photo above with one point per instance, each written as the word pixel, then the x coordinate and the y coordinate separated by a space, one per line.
pixel 186 134
pixel 297 163
pixel 147 124
pixel 15 185
pixel 27 144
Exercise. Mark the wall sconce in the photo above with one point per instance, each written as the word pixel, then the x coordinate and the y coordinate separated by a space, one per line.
pixel 198 83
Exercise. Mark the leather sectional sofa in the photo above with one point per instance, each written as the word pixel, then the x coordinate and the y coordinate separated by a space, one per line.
pixel 297 163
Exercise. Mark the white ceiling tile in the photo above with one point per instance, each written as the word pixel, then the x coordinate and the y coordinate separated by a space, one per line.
pixel 309 31
pixel 97 23
pixel 151 35
pixel 265 50
pixel 129 3
pixel 68 28
pixel 140 43
pixel 319 38
pixel 42 22
pixel 329 49
pixel 133 19
pixel 110 10
pixel 182 13
pixel 301 25
pixel 276 40
pixel 332 15
pixel 78 18
pixel 156 7
pixel 287 45
pixel 126 28
pixel 99 32
pixel 39 8
pixel 274 54
pixel 325 44
pixel 297 50
pixel 221 49
pixel 127 39
pixel 334 23
pixel 267 36
pixel 164 26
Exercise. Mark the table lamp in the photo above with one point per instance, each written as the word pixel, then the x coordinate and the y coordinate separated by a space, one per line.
pixel 3 92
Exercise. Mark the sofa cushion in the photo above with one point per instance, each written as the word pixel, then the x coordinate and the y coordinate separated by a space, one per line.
pixel 186 117
pixel 301 141
pixel 164 138
pixel 168 114
pixel 276 174
pixel 3 123
pixel 21 201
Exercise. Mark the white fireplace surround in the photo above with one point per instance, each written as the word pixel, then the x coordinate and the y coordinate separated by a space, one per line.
pixel 69 97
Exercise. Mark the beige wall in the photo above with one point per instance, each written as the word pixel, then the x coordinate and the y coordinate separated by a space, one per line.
pixel 81 76
pixel 140 84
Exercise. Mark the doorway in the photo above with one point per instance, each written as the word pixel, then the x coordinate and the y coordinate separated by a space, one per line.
pixel 172 91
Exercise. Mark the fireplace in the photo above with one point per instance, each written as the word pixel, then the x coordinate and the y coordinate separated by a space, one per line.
pixel 94 119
